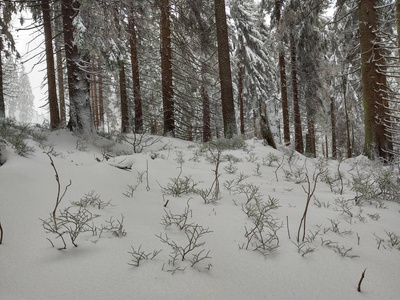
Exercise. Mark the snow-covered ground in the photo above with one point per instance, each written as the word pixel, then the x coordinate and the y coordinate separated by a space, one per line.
pixel 341 242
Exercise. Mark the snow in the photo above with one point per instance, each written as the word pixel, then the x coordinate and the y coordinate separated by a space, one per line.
pixel 99 267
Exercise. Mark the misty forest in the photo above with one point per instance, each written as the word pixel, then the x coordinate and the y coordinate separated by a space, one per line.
pixel 276 123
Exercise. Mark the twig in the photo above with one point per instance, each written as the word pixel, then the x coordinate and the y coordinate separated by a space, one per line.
pixel 287 225
pixel 147 175
pixel 1 234
pixel 361 279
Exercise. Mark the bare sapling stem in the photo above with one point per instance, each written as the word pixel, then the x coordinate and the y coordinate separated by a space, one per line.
pixel 1 234
pixel 310 192
pixel 59 198
pixel 361 279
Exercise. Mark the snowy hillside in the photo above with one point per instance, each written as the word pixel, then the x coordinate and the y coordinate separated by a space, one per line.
pixel 161 209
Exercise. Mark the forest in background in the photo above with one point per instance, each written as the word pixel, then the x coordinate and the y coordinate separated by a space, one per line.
pixel 284 71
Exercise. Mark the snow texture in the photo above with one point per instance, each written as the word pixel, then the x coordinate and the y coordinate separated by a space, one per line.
pixel 99 267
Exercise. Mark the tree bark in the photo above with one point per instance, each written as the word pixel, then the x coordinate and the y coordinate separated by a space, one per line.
pixel 228 108
pixel 51 76
pixel 135 74
pixel 333 125
pixel 346 113
pixel 298 133
pixel 78 84
pixel 60 69
pixel 100 99
pixel 283 83
pixel 124 99
pixel 2 104
pixel 166 68
pixel 206 106
pixel 373 84
pixel 240 94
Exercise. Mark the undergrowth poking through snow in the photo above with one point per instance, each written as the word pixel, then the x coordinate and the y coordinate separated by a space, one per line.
pixel 191 210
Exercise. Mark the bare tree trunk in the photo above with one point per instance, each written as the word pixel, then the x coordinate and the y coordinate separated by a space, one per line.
pixel 373 83
pixel 298 133
pixel 81 119
pixel 225 75
pixel 58 42
pixel 346 113
pixel 283 84
pixel 166 68
pixel 100 99
pixel 2 104
pixel 51 76
pixel 135 74
pixel 240 94
pixel 124 99
pixel 333 125
pixel 206 106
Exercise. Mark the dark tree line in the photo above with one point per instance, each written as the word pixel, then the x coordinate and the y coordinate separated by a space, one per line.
pixel 197 70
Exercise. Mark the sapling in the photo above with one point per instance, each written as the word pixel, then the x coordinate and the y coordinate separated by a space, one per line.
pixel 214 190
pixel 311 186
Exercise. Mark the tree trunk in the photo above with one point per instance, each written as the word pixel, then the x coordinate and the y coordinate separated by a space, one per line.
pixel 51 76
pixel 60 69
pixel 373 84
pixel 166 68
pixel 100 99
pixel 264 125
pixel 333 125
pixel 240 94
pixel 206 106
pixel 298 132
pixel 346 113
pixel 2 104
pixel 124 99
pixel 78 84
pixel 93 91
pixel 225 75
pixel 398 24
pixel 135 74
pixel 283 83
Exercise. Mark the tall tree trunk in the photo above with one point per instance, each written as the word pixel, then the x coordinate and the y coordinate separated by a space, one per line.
pixel 51 76
pixel 240 93
pixel 135 74
pixel 78 84
pixel 298 132
pixel 225 75
pixel 398 24
pixel 346 113
pixel 101 99
pixel 283 83
pixel 93 91
pixel 60 69
pixel 373 83
pixel 124 99
pixel 206 106
pixel 333 125
pixel 166 68
pixel 2 104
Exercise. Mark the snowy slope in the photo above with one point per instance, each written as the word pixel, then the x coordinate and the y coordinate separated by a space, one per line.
pixel 99 268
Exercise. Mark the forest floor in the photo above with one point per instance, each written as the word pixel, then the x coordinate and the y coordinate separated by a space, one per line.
pixel 150 209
